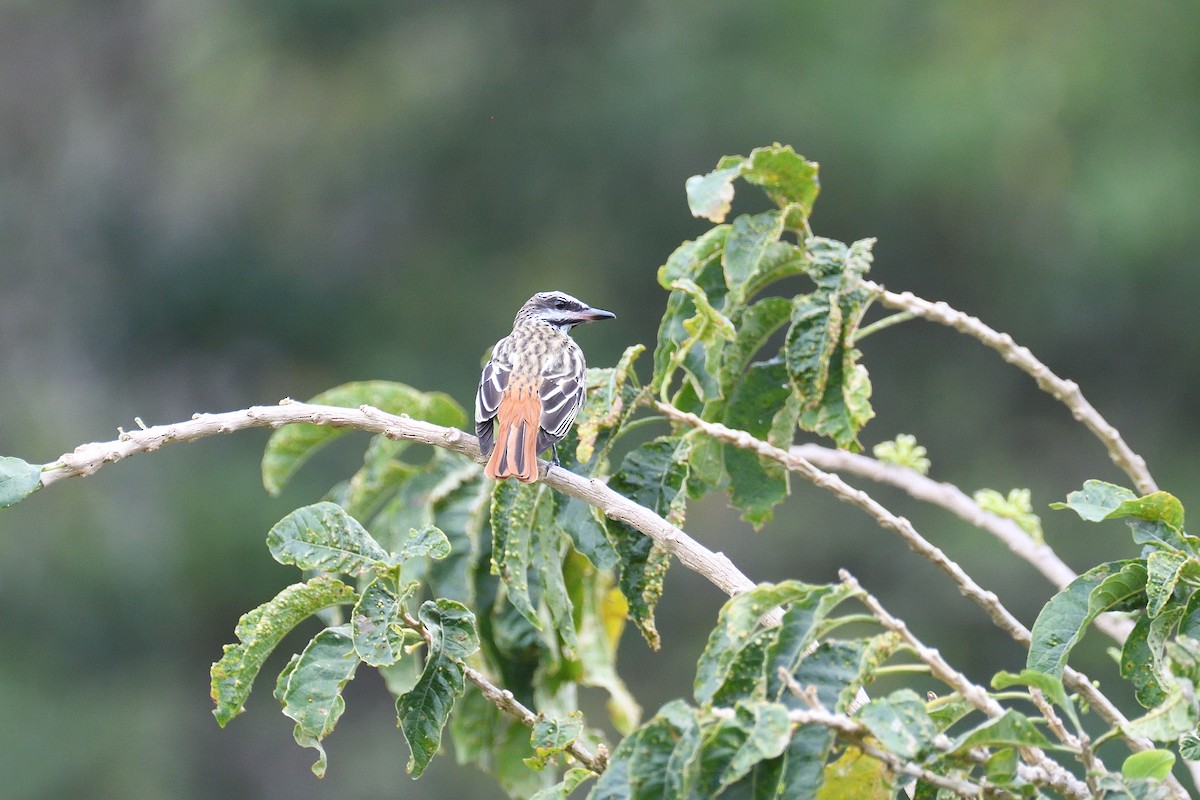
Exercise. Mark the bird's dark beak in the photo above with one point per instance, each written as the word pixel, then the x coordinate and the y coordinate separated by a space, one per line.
pixel 593 314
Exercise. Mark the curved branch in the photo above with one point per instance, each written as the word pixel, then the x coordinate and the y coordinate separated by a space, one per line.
pixel 948 496
pixel 1065 391
pixel 88 458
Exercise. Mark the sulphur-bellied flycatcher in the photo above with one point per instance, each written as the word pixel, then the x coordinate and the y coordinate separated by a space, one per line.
pixel 533 385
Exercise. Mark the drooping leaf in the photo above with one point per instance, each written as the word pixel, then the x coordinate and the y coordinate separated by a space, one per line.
pixel 1141 656
pixel 601 611
pixel 382 473
pixel 757 484
pixel 814 335
pixel 746 249
pixel 1115 585
pixel 1163 569
pixel 835 670
pixel 290 446
pixel 798 630
pixel 551 737
pixel 653 475
pixel 846 405
pixel 737 621
pixel 798 772
pixel 18 480
pixel 260 630
pixel 754 327
pixel 312 695
pixel 732 746
pixel 900 723
pixel 324 537
pixel 377 623
pixel 423 711
pixel 522 516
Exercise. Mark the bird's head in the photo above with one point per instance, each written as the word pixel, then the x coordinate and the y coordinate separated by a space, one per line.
pixel 560 310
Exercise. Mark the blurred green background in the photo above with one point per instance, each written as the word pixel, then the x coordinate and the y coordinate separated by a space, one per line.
pixel 207 204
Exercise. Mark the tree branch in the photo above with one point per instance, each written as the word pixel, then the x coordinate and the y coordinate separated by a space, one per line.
pixel 948 496
pixel 988 601
pixel 88 458
pixel 1065 391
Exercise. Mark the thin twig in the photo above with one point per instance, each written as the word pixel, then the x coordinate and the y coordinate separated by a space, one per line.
pixel 948 496
pixel 88 458
pixel 881 324
pixel 1065 391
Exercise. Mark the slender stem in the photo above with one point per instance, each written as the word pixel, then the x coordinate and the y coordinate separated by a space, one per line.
pixel 1065 391
pixel 880 324
pixel 949 497
pixel 504 700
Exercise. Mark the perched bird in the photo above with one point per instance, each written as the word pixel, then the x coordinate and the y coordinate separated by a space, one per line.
pixel 533 385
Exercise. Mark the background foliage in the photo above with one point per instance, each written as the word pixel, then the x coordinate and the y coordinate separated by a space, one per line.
pixel 208 205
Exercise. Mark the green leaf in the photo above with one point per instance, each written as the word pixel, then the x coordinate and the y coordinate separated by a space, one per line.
pixel 789 180
pixel 855 775
pixel 814 335
pixel 650 761
pixel 551 738
pixel 429 542
pixel 846 405
pixel 731 748
pixel 1154 507
pixel 798 630
pixel 755 326
pixel 18 480
pixel 601 611
pixel 260 630
pixel 746 248
pixel 710 196
pixel 1116 585
pixel 520 513
pixel 903 451
pixel 757 484
pixel 1189 746
pixel 380 476
pixel 572 779
pixel 736 622
pixel 325 538
pixel 692 257
pixel 797 772
pixel 835 670
pixel 377 623
pixel 1152 765
pixel 1050 685
pixel 313 692
pixel 1096 500
pixel 424 710
pixel 653 475
pixel 1018 507
pixel 612 395
pixel 1163 568
pixel 1010 728
pixel 900 723
pixel 290 446
pixel 1170 719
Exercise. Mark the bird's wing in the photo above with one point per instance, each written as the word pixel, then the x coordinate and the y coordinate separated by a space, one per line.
pixel 492 384
pixel 562 396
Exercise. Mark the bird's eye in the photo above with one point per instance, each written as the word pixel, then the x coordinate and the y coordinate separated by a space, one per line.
pixel 560 304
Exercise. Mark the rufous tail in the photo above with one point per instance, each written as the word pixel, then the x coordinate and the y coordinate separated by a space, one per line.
pixel 517 421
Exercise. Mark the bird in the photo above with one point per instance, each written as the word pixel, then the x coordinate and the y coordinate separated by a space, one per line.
pixel 532 386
